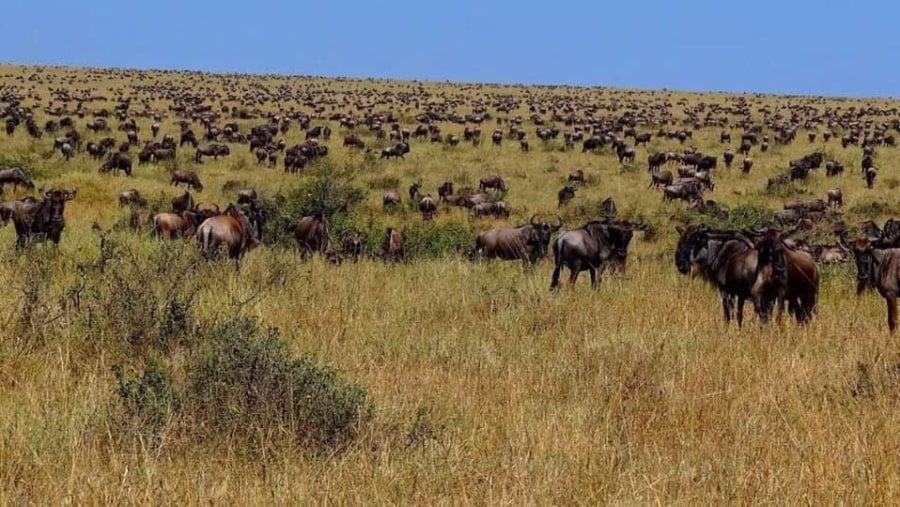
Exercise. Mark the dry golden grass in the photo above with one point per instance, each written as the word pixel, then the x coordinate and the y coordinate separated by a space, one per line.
pixel 634 393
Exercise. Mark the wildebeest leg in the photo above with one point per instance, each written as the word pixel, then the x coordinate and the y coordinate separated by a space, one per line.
pixel 726 306
pixel 595 278
pixel 574 271
pixel 740 311
pixel 891 299
pixel 554 280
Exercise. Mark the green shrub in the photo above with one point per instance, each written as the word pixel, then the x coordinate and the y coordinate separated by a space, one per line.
pixel 872 209
pixel 149 398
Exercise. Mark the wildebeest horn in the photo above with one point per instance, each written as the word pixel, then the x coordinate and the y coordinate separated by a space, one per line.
pixel 532 220
pixel 217 208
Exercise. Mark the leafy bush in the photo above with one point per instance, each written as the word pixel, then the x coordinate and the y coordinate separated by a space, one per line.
pixel 432 240
pixel 149 398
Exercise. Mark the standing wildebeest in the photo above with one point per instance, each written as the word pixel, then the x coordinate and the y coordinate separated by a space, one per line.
pixel 247 196
pixel 445 190
pixel 131 198
pixel 188 137
pixel 213 150
pixel 189 178
pixel 642 139
pixel 656 160
pixel 497 209
pixel 728 157
pixel 117 162
pixel 414 192
pixel 493 181
pixel 834 168
pixel 879 268
pixel 588 248
pixel 871 173
pixel 312 234
pixel 527 243
pixel 835 197
pixel 393 247
pixel 176 225
pixel 14 176
pixel 183 202
pixel 354 141
pixel 41 219
pixel 352 245
pixel 663 178
pixel 784 275
pixel 232 229
pixel 747 165
pixel 390 199
pixel 427 207
pixel 576 176
pixel 565 194
pixel 496 138
pixel 399 150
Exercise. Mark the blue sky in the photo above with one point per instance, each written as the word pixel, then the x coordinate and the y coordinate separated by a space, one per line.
pixel 827 47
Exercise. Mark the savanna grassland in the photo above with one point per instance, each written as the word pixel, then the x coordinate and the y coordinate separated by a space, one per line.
pixel 134 371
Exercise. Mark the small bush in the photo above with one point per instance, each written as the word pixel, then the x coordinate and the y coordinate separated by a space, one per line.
pixel 433 240
pixel 150 399
pixel 872 209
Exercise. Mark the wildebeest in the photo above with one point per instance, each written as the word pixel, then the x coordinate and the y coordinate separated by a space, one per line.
pixel 445 190
pixel 189 178
pixel 576 176
pixel 172 225
pixel 747 165
pixel 183 202
pixel 117 162
pixel 213 150
pixel 232 229
pixel 656 160
pixel 835 197
pixel 871 173
pixel 527 243
pixel 352 245
pixel 247 196
pixel 399 150
pixel 131 198
pixel 392 249
pixel 565 194
pixel 588 248
pixel 14 176
pixel 312 234
pixel 497 209
pixel 784 275
pixel 728 157
pixel 41 219
pixel 427 207
pixel 878 268
pixel 658 178
pixel 493 181
pixel 390 199
pixel 834 168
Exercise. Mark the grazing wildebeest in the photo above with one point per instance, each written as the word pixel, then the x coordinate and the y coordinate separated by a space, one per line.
pixel 588 248
pixel 834 168
pixel 117 162
pixel 188 137
pixel 213 150
pixel 247 196
pixel 390 199
pixel 527 243
pixel 625 153
pixel 427 207
pixel 172 225
pixel 14 176
pixel 656 160
pixel 312 234
pixel 576 176
pixel 399 150
pixel 835 197
pixel 565 194
pixel 784 275
pixel 233 229
pixel 183 202
pixel 445 190
pixel 414 192
pixel 131 198
pixel 393 247
pixel 663 178
pixel 497 209
pixel 354 141
pixel 642 139
pixel 189 178
pixel 493 181
pixel 41 218
pixel 160 154
pixel 878 268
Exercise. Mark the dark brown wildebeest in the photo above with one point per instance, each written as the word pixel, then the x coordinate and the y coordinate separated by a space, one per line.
pixel 352 245
pixel 728 157
pixel 399 150
pixel 745 147
pixel 834 168
pixel 96 151
pixel 131 198
pixel 232 229
pixel 427 207
pixel 390 199
pixel 747 165
pixel 414 192
pixel 725 137
pixel 608 208
pixel 497 138
pixel 663 178
pixel 625 153
pixel 835 197
pixel 117 162
pixel 656 160
pixel 497 209
pixel 523 145
pixel 392 249
pixel 247 196
pixel 527 243
pixel 764 147
pixel 688 191
pixel 871 173
pixel 188 137
pixel 154 129
pixel 182 203
pixel 312 234
pixel 642 139
pixel 14 176
pixel 41 219
pixel 354 141
pixel 9 208
pixel 213 150
pixel 589 248
pixel 812 137
pixel 160 154
pixel 171 225
pixel 445 190
pixel 189 178
pixel 492 181
pixel 809 205
pixel 565 194
pixel 576 176
pixel 784 275
pixel 878 268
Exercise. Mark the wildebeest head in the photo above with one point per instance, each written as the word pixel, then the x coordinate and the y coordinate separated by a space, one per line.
pixel 864 255
pixel 56 200
pixel 692 248
pixel 541 234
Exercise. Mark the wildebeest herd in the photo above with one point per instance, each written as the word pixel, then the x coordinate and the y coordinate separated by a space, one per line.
pixel 766 265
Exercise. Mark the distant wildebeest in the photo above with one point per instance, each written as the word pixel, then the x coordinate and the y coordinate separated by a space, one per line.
pixel 576 176
pixel 392 249
pixel 427 207
pixel 496 138
pixel 14 176
pixel 352 245
pixel 41 219
pixel 131 198
pixel 493 181
pixel 588 248
pixel 354 141
pixel 835 197
pixel 642 139
pixel 312 234
pixel 399 150
pixel 527 243
pixel 656 160
pixel 747 165
pixel 182 203
pixel 189 178
pixel 214 150
pixel 390 199
pixel 871 173
pixel 247 196
pixel 663 178
pixel 728 157
pixel 834 168
pixel 117 162
pixel 565 194
pixel 232 229
pixel 445 190
pixel 176 225
pixel 497 209
pixel 414 190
